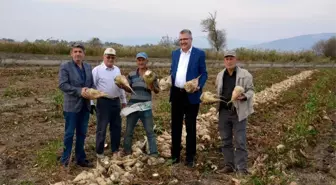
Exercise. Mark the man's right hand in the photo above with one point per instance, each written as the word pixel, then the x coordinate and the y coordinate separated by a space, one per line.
pixel 120 86
pixel 84 93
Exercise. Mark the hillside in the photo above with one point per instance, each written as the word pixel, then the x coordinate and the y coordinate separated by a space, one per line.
pixel 302 42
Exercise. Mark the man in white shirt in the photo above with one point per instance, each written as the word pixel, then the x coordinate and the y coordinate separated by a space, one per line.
pixel 108 108
pixel 188 63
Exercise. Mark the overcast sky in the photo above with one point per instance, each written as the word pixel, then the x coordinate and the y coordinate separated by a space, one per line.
pixel 258 20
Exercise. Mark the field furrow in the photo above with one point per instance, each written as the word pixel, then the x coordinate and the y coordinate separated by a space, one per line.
pixel 206 127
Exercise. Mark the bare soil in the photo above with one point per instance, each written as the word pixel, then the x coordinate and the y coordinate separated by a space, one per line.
pixel 31 123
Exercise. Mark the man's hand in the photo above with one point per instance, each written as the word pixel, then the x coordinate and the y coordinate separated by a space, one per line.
pixel 242 97
pixel 93 109
pixel 196 89
pixel 150 87
pixel 84 93
pixel 120 86
pixel 123 105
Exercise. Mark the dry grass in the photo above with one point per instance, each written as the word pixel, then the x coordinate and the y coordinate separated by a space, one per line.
pixel 157 51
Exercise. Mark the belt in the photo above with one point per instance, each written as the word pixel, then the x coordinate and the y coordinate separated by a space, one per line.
pixel 180 89
pixel 112 98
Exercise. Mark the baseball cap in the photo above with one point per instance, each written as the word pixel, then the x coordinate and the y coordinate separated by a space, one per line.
pixel 142 55
pixel 109 51
pixel 230 54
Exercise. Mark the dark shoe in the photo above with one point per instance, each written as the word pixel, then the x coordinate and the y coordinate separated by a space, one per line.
pixel 190 164
pixel 65 165
pixel 226 169
pixel 174 160
pixel 243 173
pixel 85 163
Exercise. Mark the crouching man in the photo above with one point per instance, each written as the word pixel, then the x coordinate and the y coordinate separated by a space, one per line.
pixel 233 116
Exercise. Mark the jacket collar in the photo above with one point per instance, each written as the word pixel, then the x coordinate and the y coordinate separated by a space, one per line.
pixel 107 68
pixel 189 51
pixel 237 70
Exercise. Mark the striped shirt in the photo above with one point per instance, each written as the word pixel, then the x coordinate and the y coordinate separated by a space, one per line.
pixel 139 86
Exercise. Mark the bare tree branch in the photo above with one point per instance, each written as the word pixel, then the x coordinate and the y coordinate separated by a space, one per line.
pixel 217 38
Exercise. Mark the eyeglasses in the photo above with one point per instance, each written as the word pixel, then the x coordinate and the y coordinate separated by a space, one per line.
pixel 183 39
pixel 229 58
pixel 110 57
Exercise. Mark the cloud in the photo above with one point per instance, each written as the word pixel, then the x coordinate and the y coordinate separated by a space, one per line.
pixel 243 19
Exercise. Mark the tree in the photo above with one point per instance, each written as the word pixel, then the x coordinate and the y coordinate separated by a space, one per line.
pixel 166 41
pixel 326 48
pixel 95 42
pixel 330 48
pixel 216 37
pixel 176 42
pixel 318 48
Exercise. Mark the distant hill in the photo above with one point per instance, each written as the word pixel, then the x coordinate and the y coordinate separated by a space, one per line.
pixel 302 42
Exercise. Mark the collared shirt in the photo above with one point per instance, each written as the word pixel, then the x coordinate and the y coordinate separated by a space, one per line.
pixel 181 74
pixel 81 72
pixel 103 78
pixel 229 83
pixel 139 86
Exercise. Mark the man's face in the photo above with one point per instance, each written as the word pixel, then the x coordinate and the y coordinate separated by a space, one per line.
pixel 185 41
pixel 230 62
pixel 109 60
pixel 142 63
pixel 77 54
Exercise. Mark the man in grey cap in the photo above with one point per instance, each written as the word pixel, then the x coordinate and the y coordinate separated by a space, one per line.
pixel 233 116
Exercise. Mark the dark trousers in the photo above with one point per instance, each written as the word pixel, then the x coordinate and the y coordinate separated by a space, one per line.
pixel 180 107
pixel 108 112
pixel 230 130
pixel 75 121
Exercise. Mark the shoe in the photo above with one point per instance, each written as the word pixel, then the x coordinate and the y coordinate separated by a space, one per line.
pixel 100 156
pixel 117 154
pixel 85 163
pixel 190 164
pixel 226 169
pixel 65 165
pixel 156 155
pixel 243 172
pixel 173 161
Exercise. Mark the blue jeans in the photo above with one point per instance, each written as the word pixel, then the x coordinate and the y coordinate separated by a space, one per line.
pixel 75 121
pixel 146 118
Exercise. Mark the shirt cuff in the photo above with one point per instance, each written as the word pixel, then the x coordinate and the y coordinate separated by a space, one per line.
pixel 91 102
pixel 123 100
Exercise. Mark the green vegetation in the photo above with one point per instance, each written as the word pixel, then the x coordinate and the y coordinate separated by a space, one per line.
pixel 301 133
pixel 160 51
pixel 47 156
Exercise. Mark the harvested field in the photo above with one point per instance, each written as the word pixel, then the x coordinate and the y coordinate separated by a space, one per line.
pixel 32 125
